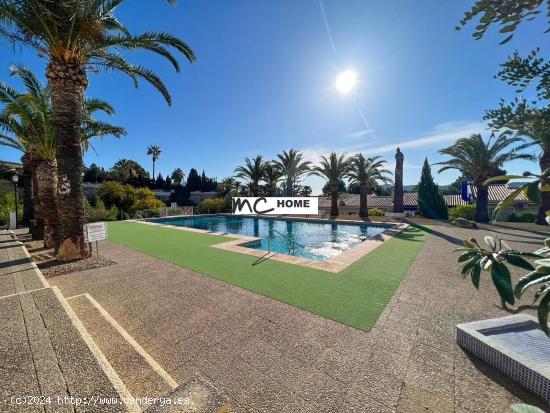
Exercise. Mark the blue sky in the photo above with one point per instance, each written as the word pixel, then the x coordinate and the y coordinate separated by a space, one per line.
pixel 264 82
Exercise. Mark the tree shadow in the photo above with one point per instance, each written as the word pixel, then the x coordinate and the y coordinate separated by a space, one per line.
pixel 519 235
pixel 505 381
pixel 432 231
pixel 19 261
pixel 543 234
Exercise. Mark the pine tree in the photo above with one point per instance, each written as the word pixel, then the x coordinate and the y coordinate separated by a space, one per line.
pixel 193 180
pixel 431 203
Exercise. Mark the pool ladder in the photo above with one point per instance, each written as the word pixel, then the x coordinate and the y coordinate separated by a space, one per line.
pixel 290 246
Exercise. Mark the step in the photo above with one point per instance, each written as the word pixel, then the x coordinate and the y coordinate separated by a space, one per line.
pixel 194 396
pixel 140 373
pixel 18 273
pixel 47 352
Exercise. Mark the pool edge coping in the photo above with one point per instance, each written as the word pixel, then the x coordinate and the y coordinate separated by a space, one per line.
pixel 335 264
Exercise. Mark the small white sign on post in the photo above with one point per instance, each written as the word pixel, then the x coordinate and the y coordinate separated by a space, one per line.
pixel 95 231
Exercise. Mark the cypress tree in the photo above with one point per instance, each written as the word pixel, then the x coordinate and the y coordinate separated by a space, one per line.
pixel 431 203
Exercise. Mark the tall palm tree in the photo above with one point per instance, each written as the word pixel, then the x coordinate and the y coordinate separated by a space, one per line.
pixel 367 172
pixel 177 176
pixel 533 124
pixel 272 175
pixel 76 36
pixel 333 169
pixel 253 172
pixel 153 151
pixel 28 118
pixel 481 160
pixel 291 165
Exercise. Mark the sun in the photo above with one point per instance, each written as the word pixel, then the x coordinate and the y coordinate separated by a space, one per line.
pixel 346 81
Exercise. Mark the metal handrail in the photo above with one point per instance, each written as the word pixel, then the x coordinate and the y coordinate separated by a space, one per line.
pixel 289 239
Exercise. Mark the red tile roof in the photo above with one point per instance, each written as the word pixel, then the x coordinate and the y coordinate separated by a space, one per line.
pixel 498 192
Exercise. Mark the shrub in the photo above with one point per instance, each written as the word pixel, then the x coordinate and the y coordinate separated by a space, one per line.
pixel 522 216
pixel 149 213
pixel 127 198
pixel 375 212
pixel 211 206
pixel 117 194
pixel 144 198
pixel 99 213
pixel 463 211
pixel 7 204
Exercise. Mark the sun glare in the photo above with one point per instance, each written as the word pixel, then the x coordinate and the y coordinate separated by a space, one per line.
pixel 346 81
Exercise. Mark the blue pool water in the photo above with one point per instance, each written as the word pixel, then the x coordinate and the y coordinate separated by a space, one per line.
pixel 319 240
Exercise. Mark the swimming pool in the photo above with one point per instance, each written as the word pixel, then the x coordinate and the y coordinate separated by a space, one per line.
pixel 315 240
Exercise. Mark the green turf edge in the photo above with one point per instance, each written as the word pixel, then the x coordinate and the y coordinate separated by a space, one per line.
pixel 355 296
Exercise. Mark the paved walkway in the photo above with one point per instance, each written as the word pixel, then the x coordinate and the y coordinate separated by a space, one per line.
pixel 272 357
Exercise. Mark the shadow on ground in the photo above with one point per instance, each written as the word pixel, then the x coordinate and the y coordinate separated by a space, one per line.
pixel 503 380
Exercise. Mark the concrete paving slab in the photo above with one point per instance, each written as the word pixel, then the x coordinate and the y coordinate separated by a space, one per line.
pixel 139 371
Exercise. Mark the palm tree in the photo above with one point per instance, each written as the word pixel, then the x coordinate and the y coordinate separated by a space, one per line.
pixel 75 36
pixel 272 175
pixel 177 176
pixel 154 151
pixel 533 124
pixel 291 165
pixel 333 169
pixel 481 160
pixel 366 172
pixel 253 172
pixel 28 117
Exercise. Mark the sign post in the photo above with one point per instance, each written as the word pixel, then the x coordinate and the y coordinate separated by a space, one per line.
pixel 95 231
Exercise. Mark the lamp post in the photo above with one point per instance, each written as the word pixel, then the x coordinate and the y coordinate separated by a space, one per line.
pixel 15 179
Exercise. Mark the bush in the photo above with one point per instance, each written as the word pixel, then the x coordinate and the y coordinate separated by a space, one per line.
pixel 149 213
pixel 7 204
pixel 127 198
pixel 99 213
pixel 117 194
pixel 463 211
pixel 211 206
pixel 145 199
pixel 522 216
pixel 375 212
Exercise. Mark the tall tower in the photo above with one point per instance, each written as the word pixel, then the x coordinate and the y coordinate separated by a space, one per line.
pixel 398 191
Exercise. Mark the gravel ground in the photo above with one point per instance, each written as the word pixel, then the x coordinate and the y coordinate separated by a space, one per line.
pixel 51 267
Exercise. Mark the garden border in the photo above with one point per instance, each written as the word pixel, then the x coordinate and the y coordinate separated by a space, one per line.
pixel 334 264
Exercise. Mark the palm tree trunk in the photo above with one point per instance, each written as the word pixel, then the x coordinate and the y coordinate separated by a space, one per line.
pixel 334 200
pixel 154 177
pixel 289 186
pixel 544 163
pixel 46 176
pixel 255 188
pixel 27 189
pixel 482 203
pixel 67 81
pixel 37 227
pixel 363 209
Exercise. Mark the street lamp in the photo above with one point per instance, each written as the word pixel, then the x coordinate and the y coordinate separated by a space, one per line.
pixel 15 179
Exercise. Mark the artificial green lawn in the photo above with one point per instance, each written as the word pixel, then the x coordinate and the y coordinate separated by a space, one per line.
pixel 355 296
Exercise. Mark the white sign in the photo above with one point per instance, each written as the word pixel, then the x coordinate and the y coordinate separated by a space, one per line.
pixel 95 231
pixel 13 220
pixel 275 205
